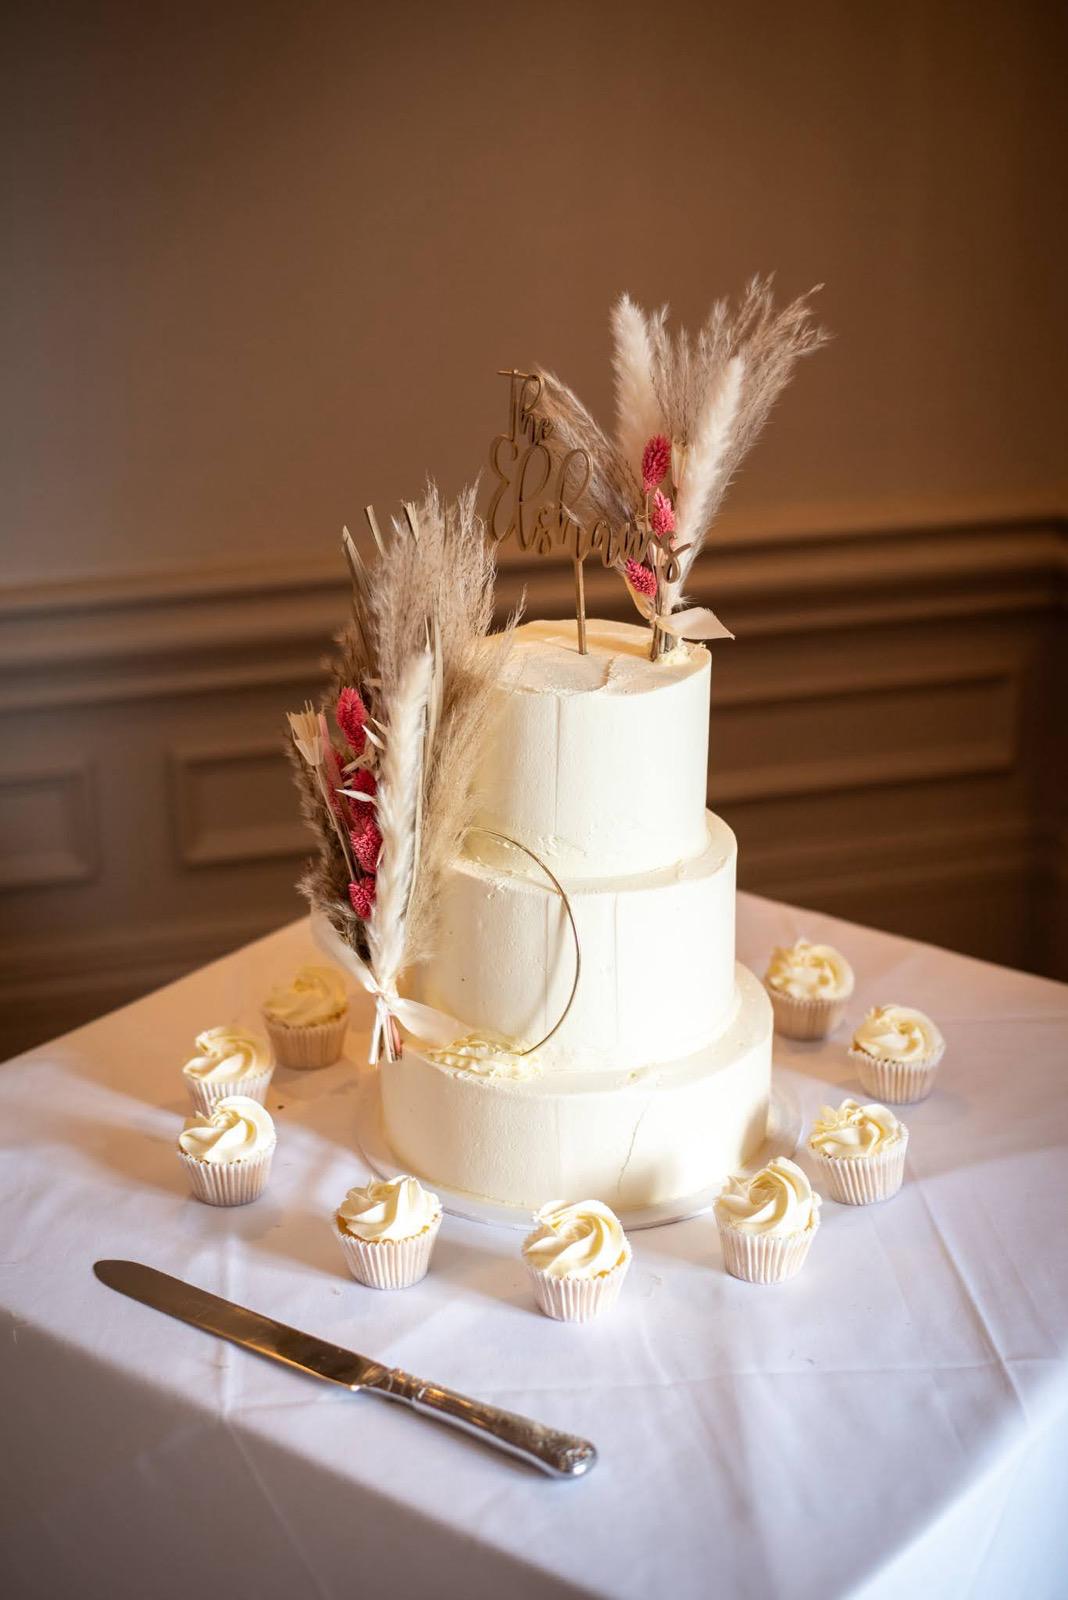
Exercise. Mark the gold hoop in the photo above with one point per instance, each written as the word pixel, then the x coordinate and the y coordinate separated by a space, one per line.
pixel 504 838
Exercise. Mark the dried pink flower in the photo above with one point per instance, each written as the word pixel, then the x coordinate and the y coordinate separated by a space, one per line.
pixel 656 459
pixel 364 782
pixel 362 897
pixel 366 844
pixel 663 517
pixel 351 716
pixel 641 578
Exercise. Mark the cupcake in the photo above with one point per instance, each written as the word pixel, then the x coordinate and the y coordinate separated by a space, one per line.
pixel 228 1062
pixel 809 986
pixel 387 1230
pixel 767 1222
pixel 577 1258
pixel 306 1020
pixel 896 1051
pixel 859 1151
pixel 227 1151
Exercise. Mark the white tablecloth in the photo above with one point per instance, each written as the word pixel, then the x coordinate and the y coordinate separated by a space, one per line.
pixel 893 1422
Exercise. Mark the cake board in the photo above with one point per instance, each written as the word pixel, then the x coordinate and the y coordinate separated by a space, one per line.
pixel 784 1132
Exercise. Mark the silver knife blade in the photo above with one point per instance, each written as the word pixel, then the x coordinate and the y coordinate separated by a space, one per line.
pixel 561 1455
pixel 250 1329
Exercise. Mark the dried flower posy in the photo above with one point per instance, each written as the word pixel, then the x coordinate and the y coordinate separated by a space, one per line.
pixel 687 411
pixel 389 802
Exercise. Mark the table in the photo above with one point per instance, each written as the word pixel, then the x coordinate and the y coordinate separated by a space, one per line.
pixel 893 1422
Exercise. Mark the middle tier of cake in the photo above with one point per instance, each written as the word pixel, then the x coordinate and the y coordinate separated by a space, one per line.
pixel 656 950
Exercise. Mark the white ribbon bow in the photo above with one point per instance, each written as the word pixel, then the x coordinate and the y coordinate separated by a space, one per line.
pixel 424 1022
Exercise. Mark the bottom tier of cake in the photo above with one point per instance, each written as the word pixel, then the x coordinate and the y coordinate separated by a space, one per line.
pixel 632 1138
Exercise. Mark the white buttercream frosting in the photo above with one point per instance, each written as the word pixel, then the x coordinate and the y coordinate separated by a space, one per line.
pixel 505 959
pixel 778 1200
pixel 898 1033
pixel 236 1130
pixel 855 1130
pixel 597 762
pixel 389 1208
pixel 485 1057
pixel 227 1053
pixel 807 971
pixel 633 1137
pixel 582 1240
pixel 315 994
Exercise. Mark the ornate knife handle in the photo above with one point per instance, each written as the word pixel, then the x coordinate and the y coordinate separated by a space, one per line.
pixel 561 1455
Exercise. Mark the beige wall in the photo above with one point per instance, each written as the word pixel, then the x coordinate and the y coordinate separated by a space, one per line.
pixel 265 260
pixel 262 266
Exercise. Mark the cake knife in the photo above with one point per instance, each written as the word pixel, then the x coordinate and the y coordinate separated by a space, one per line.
pixel 561 1455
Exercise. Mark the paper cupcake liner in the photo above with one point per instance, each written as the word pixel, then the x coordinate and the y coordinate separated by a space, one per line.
pixel 896 1083
pixel 807 1019
pixel 206 1096
pixel 861 1180
pixel 578 1299
pixel 228 1183
pixel 303 1049
pixel 388 1263
pixel 763 1258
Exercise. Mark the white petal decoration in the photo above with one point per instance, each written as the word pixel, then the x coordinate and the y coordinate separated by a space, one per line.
pixel 696 622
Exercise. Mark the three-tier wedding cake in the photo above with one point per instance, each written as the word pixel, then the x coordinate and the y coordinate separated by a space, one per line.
pixel 513 854
pixel 655 1083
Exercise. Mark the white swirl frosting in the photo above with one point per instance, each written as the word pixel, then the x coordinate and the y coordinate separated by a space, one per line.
pixel 483 1056
pixel 778 1200
pixel 855 1130
pixel 583 1240
pixel 389 1208
pixel 225 1053
pixel 898 1033
pixel 316 994
pixel 809 972
pixel 237 1129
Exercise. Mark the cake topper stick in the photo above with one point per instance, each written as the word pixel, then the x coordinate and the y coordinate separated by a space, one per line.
pixel 540 490
pixel 580 606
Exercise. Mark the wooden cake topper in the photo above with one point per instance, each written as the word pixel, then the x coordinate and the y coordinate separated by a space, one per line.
pixel 537 487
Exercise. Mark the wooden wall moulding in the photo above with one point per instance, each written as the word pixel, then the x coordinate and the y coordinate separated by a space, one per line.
pixel 48 825
pixel 103 641
pixel 49 987
pixel 233 803
pixel 866 729
pixel 883 863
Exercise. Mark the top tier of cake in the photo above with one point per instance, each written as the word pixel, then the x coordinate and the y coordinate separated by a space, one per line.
pixel 598 763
